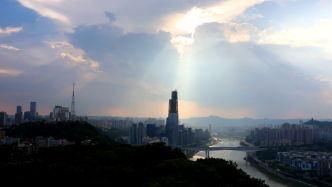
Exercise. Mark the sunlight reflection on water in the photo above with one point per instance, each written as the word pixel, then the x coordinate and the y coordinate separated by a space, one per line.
pixel 238 156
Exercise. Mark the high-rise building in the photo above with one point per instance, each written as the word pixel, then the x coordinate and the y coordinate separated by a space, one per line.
pixel 3 119
pixel 56 111
pixel 136 134
pixel 172 121
pixel 151 130
pixel 72 110
pixel 27 116
pixel 19 109
pixel 140 133
pixel 2 135
pixel 64 114
pixel 161 122
pixel 33 111
pixel 322 167
pixel 18 115
pixel 133 134
pixel 210 128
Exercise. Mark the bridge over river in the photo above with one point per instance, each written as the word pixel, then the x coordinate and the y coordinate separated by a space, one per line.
pixel 207 149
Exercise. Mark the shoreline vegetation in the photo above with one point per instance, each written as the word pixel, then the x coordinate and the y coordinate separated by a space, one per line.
pixel 275 177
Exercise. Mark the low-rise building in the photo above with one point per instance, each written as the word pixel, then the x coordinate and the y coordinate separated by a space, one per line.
pixel 27 148
pixel 48 142
pixel 9 140
pixel 300 160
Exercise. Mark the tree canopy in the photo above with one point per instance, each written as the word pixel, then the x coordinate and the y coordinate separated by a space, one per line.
pixel 122 165
pixel 72 131
pixel 109 163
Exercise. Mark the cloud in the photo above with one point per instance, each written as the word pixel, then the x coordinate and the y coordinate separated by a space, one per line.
pixel 8 47
pixel 58 44
pixel 71 57
pixel 45 8
pixel 180 42
pixel 223 12
pixel 175 16
pixel 9 72
pixel 110 16
pixel 113 48
pixel 129 66
pixel 238 32
pixel 10 30
pixel 268 80
pixel 317 35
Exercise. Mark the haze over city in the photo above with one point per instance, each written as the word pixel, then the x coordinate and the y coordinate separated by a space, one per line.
pixel 229 58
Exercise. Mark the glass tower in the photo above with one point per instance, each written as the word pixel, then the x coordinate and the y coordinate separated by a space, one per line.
pixel 33 111
pixel 172 123
pixel 19 109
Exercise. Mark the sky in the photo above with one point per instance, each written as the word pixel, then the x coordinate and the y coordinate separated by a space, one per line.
pixel 228 58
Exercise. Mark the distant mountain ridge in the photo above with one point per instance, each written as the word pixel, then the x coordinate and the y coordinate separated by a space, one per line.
pixel 243 121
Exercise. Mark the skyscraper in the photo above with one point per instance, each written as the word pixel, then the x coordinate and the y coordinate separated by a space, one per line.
pixel 18 115
pixel 56 111
pixel 140 133
pixel 19 109
pixel 136 134
pixel 151 130
pixel 172 121
pixel 3 119
pixel 33 111
pixel 133 134
pixel 27 115
pixel 72 111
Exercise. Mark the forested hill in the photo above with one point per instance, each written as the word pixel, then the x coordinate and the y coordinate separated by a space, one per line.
pixel 153 165
pixel 320 124
pixel 72 131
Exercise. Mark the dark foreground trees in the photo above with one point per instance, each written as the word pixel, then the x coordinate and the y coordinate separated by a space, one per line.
pixel 120 165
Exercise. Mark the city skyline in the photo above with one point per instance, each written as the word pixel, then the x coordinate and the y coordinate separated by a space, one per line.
pixel 232 58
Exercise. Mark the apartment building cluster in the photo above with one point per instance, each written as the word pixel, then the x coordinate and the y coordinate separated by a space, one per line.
pixel 20 116
pixel 308 160
pixel 140 134
pixel 123 123
pixel 287 134
pixel 324 134
pixel 31 145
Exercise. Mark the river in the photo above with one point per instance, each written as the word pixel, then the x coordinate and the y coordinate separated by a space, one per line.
pixel 238 156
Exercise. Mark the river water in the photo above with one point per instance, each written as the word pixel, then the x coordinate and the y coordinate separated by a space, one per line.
pixel 238 156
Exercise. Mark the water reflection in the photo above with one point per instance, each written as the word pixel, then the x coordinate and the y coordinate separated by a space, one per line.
pixel 238 156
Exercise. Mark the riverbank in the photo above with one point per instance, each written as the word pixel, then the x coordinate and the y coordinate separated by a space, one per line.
pixel 276 177
pixel 207 143
pixel 237 157
pixel 264 168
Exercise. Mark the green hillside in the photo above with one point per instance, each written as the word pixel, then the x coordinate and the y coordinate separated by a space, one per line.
pixel 320 124
pixel 72 131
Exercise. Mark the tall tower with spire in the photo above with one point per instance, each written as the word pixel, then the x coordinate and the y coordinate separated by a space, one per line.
pixel 172 121
pixel 72 111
